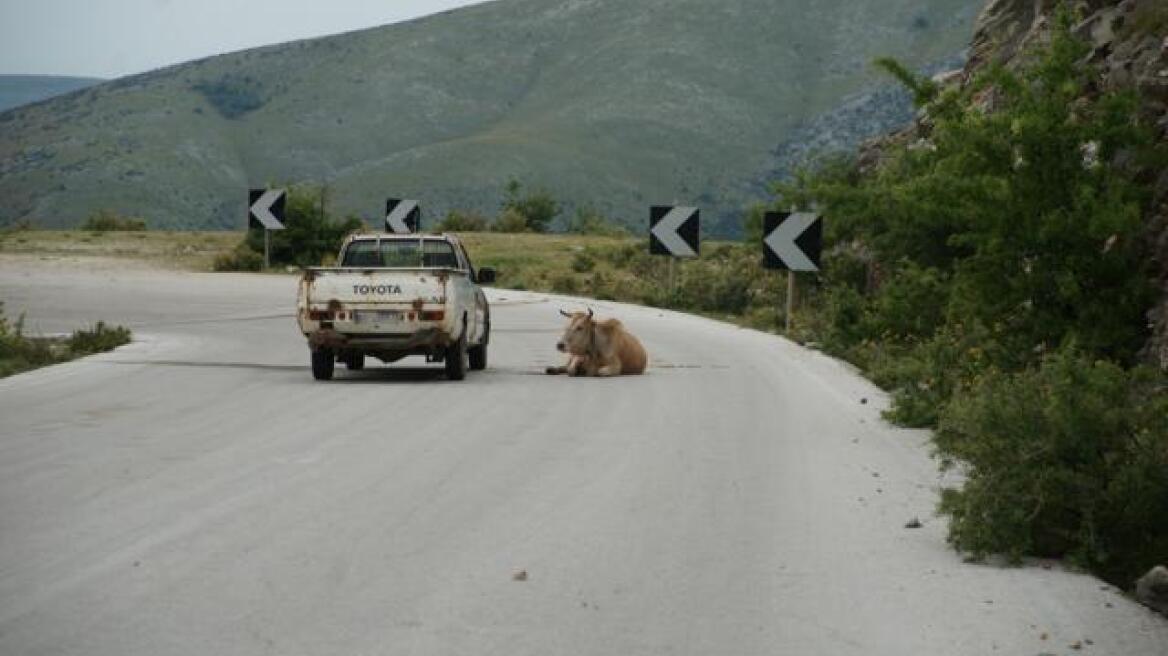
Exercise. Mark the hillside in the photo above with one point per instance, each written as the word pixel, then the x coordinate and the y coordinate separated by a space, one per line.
pixel 616 103
pixel 17 90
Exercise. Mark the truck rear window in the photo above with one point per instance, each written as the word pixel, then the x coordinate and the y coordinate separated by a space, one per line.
pixel 401 253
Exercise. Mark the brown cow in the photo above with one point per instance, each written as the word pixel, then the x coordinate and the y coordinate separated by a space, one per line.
pixel 599 348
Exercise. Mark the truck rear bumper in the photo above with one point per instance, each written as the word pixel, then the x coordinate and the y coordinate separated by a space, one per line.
pixel 421 341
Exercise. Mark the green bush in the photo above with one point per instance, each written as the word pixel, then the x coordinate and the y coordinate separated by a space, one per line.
pixel 840 317
pixel 510 221
pixel 910 305
pixel 98 339
pixel 108 220
pixel 19 352
pixel 538 209
pixel 924 376
pixel 462 221
pixel 241 258
pixel 1069 459
pixel 565 283
pixel 583 262
pixel 309 235
pixel 589 221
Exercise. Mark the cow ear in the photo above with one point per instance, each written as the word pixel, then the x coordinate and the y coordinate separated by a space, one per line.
pixel 589 313
pixel 565 314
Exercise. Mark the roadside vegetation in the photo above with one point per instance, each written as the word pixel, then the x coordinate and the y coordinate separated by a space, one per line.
pixel 108 220
pixel 190 251
pixel 992 276
pixel 19 352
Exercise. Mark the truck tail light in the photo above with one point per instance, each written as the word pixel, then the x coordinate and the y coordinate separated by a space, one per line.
pixel 433 315
pixel 320 315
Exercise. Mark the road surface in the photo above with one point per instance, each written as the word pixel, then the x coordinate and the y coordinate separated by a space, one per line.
pixel 198 493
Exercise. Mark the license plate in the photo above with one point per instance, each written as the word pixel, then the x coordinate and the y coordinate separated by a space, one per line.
pixel 376 316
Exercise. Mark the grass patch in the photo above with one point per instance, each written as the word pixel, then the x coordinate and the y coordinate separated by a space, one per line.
pixel 19 352
pixel 187 251
pixel 110 221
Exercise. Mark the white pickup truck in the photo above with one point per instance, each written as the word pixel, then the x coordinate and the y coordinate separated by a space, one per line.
pixel 393 296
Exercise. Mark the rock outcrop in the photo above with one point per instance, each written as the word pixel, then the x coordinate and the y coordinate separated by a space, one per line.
pixel 1152 589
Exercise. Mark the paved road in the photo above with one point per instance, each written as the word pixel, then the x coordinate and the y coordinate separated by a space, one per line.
pixel 198 493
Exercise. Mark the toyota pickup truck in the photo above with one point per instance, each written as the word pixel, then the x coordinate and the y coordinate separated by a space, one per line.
pixel 396 295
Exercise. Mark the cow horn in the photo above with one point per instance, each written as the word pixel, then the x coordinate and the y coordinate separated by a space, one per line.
pixel 565 314
pixel 589 313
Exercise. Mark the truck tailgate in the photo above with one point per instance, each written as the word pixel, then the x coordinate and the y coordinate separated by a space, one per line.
pixel 370 288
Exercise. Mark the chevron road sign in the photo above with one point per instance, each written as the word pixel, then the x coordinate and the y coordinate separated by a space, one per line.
pixel 266 207
pixel 402 217
pixel 674 231
pixel 793 241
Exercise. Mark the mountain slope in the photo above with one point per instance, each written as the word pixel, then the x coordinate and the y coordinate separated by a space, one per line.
pixel 17 90
pixel 616 103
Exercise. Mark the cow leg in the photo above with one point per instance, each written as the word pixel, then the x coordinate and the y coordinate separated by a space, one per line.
pixel 578 366
pixel 610 369
pixel 570 368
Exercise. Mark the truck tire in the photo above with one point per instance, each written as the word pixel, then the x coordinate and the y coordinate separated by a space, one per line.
pixel 478 354
pixel 478 357
pixel 456 359
pixel 322 364
pixel 355 361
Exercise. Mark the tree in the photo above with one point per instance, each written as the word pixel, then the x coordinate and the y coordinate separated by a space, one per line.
pixel 538 208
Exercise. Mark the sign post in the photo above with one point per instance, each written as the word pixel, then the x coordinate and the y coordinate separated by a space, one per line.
pixel 790 301
pixel 676 232
pixel 792 241
pixel 266 207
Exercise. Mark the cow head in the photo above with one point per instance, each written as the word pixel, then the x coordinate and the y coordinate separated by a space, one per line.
pixel 577 338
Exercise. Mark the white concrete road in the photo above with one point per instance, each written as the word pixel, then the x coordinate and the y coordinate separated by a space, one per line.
pixel 198 493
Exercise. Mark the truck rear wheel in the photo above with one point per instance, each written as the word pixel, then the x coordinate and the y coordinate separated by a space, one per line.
pixel 355 361
pixel 456 359
pixel 478 357
pixel 322 364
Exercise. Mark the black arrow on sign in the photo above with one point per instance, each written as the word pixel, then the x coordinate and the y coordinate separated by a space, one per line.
pixel 402 217
pixel 674 231
pixel 266 207
pixel 792 241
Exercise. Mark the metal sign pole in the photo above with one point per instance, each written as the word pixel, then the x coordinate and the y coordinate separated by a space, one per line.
pixel 267 248
pixel 790 298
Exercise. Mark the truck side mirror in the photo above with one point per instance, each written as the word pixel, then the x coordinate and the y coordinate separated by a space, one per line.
pixel 486 275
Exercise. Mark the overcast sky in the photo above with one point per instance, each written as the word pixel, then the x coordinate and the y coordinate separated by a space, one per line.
pixel 111 38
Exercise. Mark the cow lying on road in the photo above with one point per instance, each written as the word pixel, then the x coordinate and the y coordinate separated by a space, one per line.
pixel 599 348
